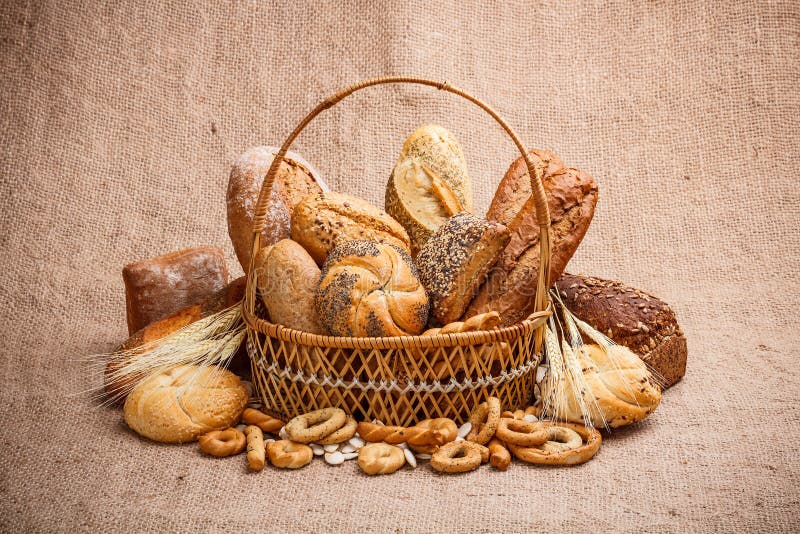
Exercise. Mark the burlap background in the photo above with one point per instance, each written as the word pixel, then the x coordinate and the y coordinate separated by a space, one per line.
pixel 119 125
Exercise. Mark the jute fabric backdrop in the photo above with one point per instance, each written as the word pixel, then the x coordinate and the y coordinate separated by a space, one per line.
pixel 120 122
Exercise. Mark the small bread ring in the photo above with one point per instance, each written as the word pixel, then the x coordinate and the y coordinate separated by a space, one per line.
pixel 535 455
pixel 447 428
pixel 289 454
pixel 522 433
pixel 484 421
pixel 560 439
pixel 266 423
pixel 459 457
pixel 380 458
pixel 313 426
pixel 223 443
pixel 339 436
pixel 499 456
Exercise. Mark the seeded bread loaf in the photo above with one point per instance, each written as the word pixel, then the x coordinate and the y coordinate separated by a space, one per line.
pixel 295 180
pixel 157 287
pixel 510 288
pixel 323 220
pixel 428 184
pixel 287 279
pixel 454 262
pixel 371 289
pixel 630 317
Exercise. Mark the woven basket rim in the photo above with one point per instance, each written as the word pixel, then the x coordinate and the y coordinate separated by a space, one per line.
pixel 531 323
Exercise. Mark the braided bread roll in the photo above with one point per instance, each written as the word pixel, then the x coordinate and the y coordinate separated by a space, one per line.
pixel 413 435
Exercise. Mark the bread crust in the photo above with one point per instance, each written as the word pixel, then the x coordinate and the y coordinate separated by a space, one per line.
pixel 287 279
pixel 630 317
pixel 295 180
pixel 323 220
pixel 510 288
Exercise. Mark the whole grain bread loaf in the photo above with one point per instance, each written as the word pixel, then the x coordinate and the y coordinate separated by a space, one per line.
pixel 630 317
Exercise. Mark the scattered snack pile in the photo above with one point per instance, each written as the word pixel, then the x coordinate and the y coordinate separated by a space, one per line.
pixel 490 436
pixel 334 264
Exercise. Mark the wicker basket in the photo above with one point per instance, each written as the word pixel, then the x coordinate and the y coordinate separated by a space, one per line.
pixel 398 380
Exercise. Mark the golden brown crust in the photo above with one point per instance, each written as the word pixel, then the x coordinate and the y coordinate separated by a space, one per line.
pixel 454 262
pixel 499 456
pixel 520 432
pixel 347 431
pixel 266 423
pixel 256 454
pixel 288 454
pixel 511 286
pixel 459 457
pixel 294 181
pixel 322 221
pixel 631 317
pixel 380 458
pixel 185 402
pixel 370 289
pixel 157 287
pixel 536 455
pixel 222 443
pixel 484 420
pixel 414 435
pixel 428 184
pixel 287 279
pixel 312 426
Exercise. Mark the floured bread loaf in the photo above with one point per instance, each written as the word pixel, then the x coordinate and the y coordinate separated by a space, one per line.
pixel 624 389
pixel 371 289
pixel 510 288
pixel 454 262
pixel 185 402
pixel 322 221
pixel 429 183
pixel 287 279
pixel 295 180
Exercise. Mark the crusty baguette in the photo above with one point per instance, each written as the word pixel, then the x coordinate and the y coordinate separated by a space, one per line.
pixel 295 180
pixel 511 286
pixel 630 317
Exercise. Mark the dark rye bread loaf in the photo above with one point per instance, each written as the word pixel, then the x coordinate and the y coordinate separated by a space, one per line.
pixel 630 317
pixel 510 288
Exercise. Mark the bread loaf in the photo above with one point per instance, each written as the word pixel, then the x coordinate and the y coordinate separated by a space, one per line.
pixel 371 289
pixel 156 287
pixel 287 281
pixel 185 402
pixel 454 262
pixel 428 184
pixel 510 288
pixel 619 389
pixel 295 180
pixel 323 220
pixel 632 318
pixel 117 387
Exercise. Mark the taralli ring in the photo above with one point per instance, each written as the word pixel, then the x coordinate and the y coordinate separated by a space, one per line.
pixel 380 458
pixel 459 457
pixel 561 438
pixel 223 443
pixel 340 436
pixel 522 433
pixel 288 454
pixel 447 427
pixel 484 421
pixel 536 455
pixel 266 423
pixel 313 426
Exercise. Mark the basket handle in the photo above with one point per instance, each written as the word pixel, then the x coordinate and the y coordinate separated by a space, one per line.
pixel 537 190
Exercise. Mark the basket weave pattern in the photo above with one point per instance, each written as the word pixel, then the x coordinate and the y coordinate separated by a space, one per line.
pixel 398 380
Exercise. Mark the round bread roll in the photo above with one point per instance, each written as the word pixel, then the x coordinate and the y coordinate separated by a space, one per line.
pixel 323 220
pixel 371 289
pixel 294 180
pixel 180 404
pixel 287 281
pixel 624 390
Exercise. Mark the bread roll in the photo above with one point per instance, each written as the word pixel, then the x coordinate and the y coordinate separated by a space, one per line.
pixel 632 318
pixel 287 281
pixel 179 405
pixel 295 180
pixel 323 220
pixel 455 260
pixel 371 289
pixel 510 288
pixel 117 387
pixel 157 287
pixel 428 184
pixel 623 388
